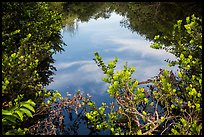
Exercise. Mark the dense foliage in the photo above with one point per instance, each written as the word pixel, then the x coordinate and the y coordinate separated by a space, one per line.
pixel 155 18
pixel 172 105
pixel 30 36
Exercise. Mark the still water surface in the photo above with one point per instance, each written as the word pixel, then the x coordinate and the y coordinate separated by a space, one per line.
pixel 76 68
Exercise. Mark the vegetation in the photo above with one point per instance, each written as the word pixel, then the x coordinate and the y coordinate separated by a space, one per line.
pixel 31 35
pixel 172 106
pixel 155 18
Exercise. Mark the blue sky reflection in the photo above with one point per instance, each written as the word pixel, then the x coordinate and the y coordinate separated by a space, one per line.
pixel 77 70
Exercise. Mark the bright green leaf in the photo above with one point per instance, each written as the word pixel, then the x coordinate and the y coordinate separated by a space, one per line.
pixel 20 114
pixel 28 113
pixel 28 106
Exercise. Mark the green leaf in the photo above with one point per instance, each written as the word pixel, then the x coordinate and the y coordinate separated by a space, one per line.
pixel 197 106
pixel 20 114
pixel 146 100
pixel 166 72
pixel 28 106
pixel 182 56
pixel 172 106
pixel 144 113
pixel 28 36
pixel 10 133
pixel 48 102
pixel 174 131
pixel 78 91
pixel 21 131
pixel 11 118
pixel 16 31
pixel 199 95
pixel 152 104
pixel 184 122
pixel 156 37
pixel 13 55
pixel 28 113
pixel 112 129
pixel 30 102
pixel 189 104
pixel 162 119
pixel 6 112
pixel 139 132
pixel 89 103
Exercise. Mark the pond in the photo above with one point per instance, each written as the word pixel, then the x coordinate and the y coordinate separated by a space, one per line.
pixel 34 39
pixel 76 68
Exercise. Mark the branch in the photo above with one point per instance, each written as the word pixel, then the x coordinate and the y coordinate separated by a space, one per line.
pixel 166 128
pixel 129 121
pixel 151 130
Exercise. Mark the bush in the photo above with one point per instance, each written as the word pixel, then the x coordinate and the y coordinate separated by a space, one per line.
pixel 172 105
pixel 30 36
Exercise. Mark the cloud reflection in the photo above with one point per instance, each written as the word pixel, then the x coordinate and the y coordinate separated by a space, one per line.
pixel 65 65
pixel 76 73
pixel 139 46
pixel 79 71
pixel 89 75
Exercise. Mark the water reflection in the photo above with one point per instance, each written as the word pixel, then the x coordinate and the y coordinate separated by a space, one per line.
pixel 77 70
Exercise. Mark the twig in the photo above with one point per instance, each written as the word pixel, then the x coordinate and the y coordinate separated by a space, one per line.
pixel 151 130
pixel 129 121
pixel 166 128
pixel 157 105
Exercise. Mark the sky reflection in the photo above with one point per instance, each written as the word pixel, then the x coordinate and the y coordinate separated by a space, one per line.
pixel 77 70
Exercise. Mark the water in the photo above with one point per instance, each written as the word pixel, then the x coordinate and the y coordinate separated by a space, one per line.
pixel 76 68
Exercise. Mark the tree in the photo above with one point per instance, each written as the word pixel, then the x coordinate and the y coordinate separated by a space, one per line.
pixel 156 18
pixel 30 36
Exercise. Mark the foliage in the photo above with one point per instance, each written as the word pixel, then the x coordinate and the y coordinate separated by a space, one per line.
pixel 86 11
pixel 30 36
pixel 186 44
pixel 188 85
pixel 155 18
pixel 172 105
pixel 28 43
pixel 130 115
pixel 12 116
pixel 73 12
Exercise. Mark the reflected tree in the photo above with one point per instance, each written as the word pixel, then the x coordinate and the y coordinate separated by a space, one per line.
pixel 156 18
